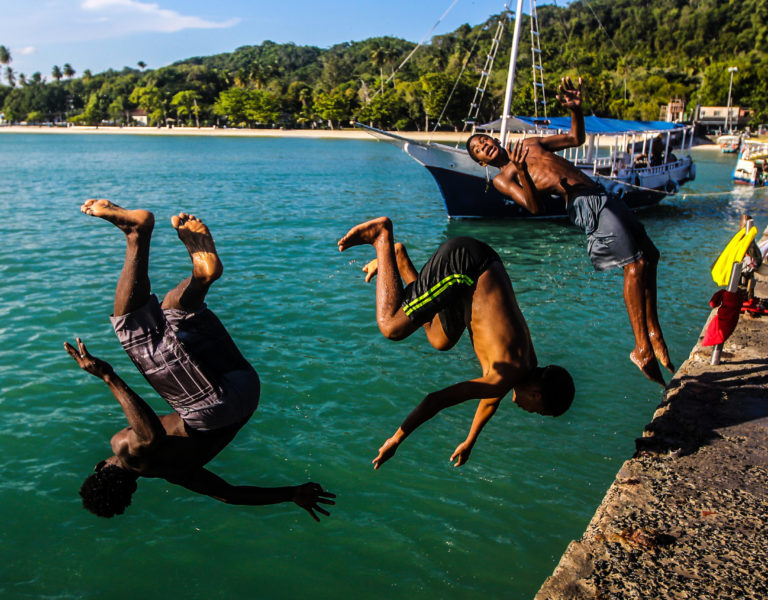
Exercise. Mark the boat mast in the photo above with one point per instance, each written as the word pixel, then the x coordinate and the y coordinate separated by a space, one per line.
pixel 511 73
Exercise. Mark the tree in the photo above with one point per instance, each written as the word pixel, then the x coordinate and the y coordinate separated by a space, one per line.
pixel 141 64
pixel 335 106
pixel 186 103
pixel 436 87
pixel 10 76
pixel 68 71
pixel 262 107
pixel 384 109
pixel 93 114
pixel 379 57
pixel 232 104
pixel 5 59
pixel 56 73
pixel 150 100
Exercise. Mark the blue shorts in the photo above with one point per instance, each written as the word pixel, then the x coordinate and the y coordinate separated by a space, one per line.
pixel 615 238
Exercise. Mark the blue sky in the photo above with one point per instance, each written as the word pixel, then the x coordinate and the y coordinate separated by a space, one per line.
pixel 103 34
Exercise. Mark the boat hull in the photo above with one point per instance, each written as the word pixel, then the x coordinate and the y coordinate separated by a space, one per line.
pixel 469 193
pixel 469 196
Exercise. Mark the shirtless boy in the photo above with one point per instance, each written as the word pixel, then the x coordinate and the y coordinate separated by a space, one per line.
pixel 188 357
pixel 531 170
pixel 464 284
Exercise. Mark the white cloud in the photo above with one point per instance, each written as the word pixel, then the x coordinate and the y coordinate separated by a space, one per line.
pixel 130 16
pixel 26 51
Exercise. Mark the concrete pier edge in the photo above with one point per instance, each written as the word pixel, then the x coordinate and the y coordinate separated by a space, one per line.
pixel 687 515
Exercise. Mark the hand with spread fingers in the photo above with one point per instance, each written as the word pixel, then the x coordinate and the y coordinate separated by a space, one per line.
pixel 569 95
pixel 309 496
pixel 518 154
pixel 89 364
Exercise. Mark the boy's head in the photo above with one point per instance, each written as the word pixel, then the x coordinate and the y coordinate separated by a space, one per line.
pixel 483 149
pixel 107 491
pixel 547 391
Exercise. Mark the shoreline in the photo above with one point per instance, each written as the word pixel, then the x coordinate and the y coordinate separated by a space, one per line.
pixel 330 134
pixel 338 134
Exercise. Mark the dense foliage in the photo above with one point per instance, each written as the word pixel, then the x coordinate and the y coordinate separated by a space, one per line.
pixel 634 56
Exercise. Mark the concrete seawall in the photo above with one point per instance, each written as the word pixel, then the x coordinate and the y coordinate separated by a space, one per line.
pixel 687 516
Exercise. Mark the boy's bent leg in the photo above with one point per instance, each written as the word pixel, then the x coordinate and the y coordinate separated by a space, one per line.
pixel 190 294
pixel 133 286
pixel 393 323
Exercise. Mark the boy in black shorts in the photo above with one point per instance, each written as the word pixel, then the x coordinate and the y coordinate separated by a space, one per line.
pixel 464 285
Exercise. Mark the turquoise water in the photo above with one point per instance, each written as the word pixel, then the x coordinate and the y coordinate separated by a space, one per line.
pixel 333 388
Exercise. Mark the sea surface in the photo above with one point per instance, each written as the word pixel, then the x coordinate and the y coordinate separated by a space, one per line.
pixel 333 388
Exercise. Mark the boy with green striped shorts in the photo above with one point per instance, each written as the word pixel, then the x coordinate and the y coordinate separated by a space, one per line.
pixel 463 285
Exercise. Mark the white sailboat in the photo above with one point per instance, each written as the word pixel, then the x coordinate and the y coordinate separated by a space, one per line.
pixel 729 142
pixel 612 155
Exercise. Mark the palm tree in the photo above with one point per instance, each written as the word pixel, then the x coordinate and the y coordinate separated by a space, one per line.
pixel 22 79
pixel 10 76
pixel 142 65
pixel 379 56
pixel 68 71
pixel 186 104
pixel 56 73
pixel 5 59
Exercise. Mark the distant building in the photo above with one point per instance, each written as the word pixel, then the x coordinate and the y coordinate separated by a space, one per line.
pixel 713 118
pixel 673 111
pixel 138 116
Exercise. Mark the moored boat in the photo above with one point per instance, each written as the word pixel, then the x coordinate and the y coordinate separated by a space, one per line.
pixel 633 159
pixel 752 164
pixel 729 144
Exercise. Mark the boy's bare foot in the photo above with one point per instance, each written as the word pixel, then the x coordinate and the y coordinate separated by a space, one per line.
pixel 128 221
pixel 662 353
pixel 649 367
pixel 206 265
pixel 365 233
pixel 371 269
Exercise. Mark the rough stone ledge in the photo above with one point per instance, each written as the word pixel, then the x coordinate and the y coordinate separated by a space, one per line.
pixel 686 516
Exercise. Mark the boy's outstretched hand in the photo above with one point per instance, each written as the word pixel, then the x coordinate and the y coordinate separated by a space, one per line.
pixel 568 94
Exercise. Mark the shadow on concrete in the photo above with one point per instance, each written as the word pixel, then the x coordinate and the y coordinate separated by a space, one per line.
pixel 699 406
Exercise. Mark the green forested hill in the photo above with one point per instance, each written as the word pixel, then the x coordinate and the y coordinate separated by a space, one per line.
pixel 634 56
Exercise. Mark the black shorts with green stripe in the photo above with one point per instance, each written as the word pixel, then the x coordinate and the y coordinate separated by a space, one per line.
pixel 445 280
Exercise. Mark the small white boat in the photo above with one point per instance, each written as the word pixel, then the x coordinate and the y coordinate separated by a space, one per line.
pixel 729 144
pixel 752 164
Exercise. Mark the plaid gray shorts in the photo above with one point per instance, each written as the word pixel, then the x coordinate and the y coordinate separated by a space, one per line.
pixel 192 363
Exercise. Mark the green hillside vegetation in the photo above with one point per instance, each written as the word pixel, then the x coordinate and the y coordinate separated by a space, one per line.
pixel 634 56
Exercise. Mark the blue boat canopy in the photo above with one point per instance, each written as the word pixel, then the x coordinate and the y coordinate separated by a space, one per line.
pixel 592 124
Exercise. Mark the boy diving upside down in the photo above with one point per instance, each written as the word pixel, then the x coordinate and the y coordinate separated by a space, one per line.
pixel 463 285
pixel 188 357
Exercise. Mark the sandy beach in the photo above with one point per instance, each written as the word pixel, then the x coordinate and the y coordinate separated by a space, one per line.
pixel 352 133
pixel 342 134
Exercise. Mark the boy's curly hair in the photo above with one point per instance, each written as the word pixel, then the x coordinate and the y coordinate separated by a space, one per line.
pixel 108 491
